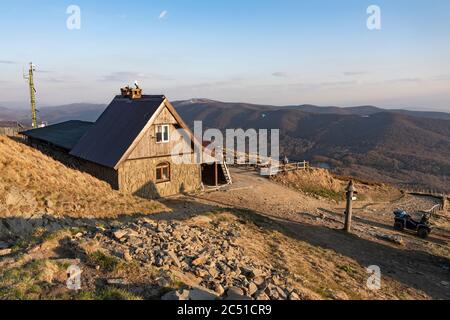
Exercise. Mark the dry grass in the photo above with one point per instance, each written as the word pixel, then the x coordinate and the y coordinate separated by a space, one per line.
pixel 320 182
pixel 46 279
pixel 33 183
pixel 320 273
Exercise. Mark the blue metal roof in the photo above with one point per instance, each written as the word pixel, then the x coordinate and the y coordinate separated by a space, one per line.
pixel 115 130
pixel 63 135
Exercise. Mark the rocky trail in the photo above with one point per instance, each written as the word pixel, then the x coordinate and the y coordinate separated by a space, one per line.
pixel 257 239
pixel 423 264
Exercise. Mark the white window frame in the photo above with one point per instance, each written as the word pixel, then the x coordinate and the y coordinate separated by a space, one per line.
pixel 163 126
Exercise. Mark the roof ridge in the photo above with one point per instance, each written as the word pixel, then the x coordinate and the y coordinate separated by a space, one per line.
pixel 116 129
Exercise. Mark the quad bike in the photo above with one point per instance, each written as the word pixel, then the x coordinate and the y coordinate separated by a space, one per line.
pixel 403 221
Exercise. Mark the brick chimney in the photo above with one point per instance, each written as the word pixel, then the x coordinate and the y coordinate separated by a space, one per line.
pixel 132 93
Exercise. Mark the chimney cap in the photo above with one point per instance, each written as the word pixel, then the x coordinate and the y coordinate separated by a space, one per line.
pixel 132 93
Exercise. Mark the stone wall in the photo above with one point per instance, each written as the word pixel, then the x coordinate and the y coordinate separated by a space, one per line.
pixel 138 177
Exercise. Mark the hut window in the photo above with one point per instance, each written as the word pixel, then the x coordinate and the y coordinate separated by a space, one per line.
pixel 162 133
pixel 163 172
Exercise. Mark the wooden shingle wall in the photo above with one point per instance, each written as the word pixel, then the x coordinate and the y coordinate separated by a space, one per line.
pixel 148 147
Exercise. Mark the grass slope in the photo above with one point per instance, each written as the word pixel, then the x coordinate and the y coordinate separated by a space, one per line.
pixel 32 183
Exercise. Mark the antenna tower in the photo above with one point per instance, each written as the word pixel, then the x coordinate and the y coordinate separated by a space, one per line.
pixel 30 78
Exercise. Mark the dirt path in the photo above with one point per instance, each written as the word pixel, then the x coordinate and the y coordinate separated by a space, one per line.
pixel 420 264
pixel 258 193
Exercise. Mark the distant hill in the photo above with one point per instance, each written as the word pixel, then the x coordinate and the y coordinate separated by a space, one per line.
pixel 7 114
pixel 409 148
pixel 76 111
pixel 90 112
pixel 402 147
pixel 56 114
pixel 359 110
pixel 370 110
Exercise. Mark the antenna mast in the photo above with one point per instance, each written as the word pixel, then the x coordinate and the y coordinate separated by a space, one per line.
pixel 30 78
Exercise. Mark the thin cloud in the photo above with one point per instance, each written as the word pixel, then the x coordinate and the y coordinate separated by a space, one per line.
pixel 235 81
pixel 354 73
pixel 405 80
pixel 337 83
pixel 122 76
pixel 8 62
pixel 43 71
pixel 280 74
pixel 129 76
pixel 320 85
pixel 163 14
pixel 59 80
pixel 441 77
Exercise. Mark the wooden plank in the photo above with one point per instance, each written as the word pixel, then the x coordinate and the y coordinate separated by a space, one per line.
pixel 216 174
pixel 148 147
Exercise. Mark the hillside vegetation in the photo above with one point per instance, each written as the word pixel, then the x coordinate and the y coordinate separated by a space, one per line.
pixel 403 148
pixel 323 184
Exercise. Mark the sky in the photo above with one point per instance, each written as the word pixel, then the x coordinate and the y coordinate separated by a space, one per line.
pixel 281 52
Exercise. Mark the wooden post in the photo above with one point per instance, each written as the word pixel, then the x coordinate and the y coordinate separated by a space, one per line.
pixel 216 174
pixel 349 207
pixel 444 202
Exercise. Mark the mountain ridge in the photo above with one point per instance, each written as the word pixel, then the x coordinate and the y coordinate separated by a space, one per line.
pixel 406 148
pixel 90 111
pixel 412 151
pixel 363 110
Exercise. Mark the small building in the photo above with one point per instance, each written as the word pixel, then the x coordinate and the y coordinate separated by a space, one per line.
pixel 10 128
pixel 131 146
